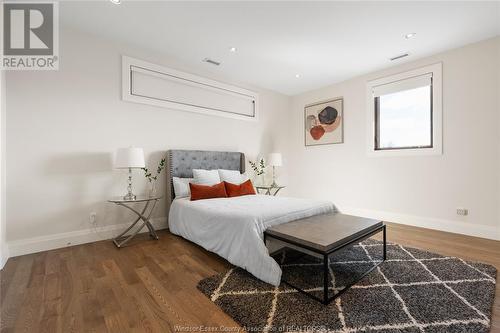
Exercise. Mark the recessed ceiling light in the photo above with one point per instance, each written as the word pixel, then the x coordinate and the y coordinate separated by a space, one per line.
pixel 116 2
pixel 233 49
pixel 297 75
pixel 410 35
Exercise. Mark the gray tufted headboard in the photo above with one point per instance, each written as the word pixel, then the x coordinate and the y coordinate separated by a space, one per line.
pixel 181 163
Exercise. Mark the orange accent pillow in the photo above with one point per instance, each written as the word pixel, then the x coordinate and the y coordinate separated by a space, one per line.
pixel 199 192
pixel 245 188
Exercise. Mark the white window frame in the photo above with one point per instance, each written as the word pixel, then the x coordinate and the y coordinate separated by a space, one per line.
pixel 437 112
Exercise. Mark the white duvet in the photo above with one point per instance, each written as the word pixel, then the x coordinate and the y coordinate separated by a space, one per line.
pixel 234 227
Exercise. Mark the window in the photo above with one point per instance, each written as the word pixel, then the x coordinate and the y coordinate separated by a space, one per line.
pixel 151 84
pixel 405 113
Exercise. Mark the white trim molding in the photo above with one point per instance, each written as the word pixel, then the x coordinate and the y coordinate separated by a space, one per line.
pixel 147 83
pixel 44 243
pixel 456 227
pixel 4 254
pixel 436 73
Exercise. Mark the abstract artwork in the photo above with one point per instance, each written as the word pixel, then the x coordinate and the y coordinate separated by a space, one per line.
pixel 324 122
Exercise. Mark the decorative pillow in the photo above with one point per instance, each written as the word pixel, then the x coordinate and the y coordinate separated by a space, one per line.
pixel 181 187
pixel 206 177
pixel 232 176
pixel 235 190
pixel 199 192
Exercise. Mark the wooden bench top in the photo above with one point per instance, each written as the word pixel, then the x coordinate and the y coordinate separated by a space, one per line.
pixel 324 232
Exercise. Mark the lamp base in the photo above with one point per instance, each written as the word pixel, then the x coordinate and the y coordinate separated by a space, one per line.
pixel 274 178
pixel 129 196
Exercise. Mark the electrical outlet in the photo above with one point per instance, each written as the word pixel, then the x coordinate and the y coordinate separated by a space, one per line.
pixel 93 218
pixel 462 211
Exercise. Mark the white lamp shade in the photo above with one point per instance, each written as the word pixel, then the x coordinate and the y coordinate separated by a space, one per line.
pixel 129 158
pixel 274 159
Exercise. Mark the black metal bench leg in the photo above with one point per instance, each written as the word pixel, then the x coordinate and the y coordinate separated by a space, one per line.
pixel 326 266
pixel 325 279
pixel 385 243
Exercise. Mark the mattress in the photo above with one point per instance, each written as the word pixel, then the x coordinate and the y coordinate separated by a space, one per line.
pixel 234 227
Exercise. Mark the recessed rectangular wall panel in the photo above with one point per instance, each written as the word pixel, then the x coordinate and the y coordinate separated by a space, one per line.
pixel 152 84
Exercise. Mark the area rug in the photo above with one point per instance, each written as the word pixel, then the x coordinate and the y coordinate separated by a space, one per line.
pixel 412 291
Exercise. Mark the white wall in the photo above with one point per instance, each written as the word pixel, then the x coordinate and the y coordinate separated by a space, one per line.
pixel 65 125
pixel 419 190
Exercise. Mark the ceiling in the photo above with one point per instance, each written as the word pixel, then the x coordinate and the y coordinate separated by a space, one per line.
pixel 323 42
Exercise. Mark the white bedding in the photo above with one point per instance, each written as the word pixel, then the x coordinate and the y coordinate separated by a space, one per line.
pixel 234 227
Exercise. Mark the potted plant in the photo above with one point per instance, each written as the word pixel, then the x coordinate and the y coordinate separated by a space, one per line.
pixel 259 168
pixel 153 178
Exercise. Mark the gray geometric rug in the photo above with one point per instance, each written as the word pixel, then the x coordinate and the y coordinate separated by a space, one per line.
pixel 412 291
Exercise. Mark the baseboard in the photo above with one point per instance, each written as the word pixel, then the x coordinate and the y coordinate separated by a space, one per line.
pixel 457 227
pixel 44 243
pixel 4 255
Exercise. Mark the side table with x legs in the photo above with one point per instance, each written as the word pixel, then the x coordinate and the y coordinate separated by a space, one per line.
pixel 143 216
pixel 269 189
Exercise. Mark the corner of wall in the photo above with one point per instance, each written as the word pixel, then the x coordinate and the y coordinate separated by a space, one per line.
pixel 4 251
pixel 4 254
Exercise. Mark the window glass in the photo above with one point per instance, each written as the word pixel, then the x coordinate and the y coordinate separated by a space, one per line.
pixel 403 119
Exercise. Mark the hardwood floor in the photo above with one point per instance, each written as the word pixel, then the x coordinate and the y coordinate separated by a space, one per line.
pixel 150 286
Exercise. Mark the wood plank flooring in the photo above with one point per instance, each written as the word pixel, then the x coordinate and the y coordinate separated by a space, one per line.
pixel 150 286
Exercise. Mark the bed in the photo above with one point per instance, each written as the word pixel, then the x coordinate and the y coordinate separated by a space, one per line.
pixel 233 227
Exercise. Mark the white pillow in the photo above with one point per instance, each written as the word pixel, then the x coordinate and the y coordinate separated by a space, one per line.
pixel 181 187
pixel 232 176
pixel 206 177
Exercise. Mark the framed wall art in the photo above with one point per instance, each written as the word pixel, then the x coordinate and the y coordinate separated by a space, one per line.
pixel 324 122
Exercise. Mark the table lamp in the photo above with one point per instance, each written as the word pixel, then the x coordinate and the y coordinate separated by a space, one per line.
pixel 129 158
pixel 274 159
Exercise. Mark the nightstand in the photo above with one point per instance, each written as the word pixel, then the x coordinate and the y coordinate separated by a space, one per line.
pixel 268 189
pixel 122 238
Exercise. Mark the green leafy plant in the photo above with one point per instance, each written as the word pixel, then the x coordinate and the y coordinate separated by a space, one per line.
pixel 259 167
pixel 149 176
